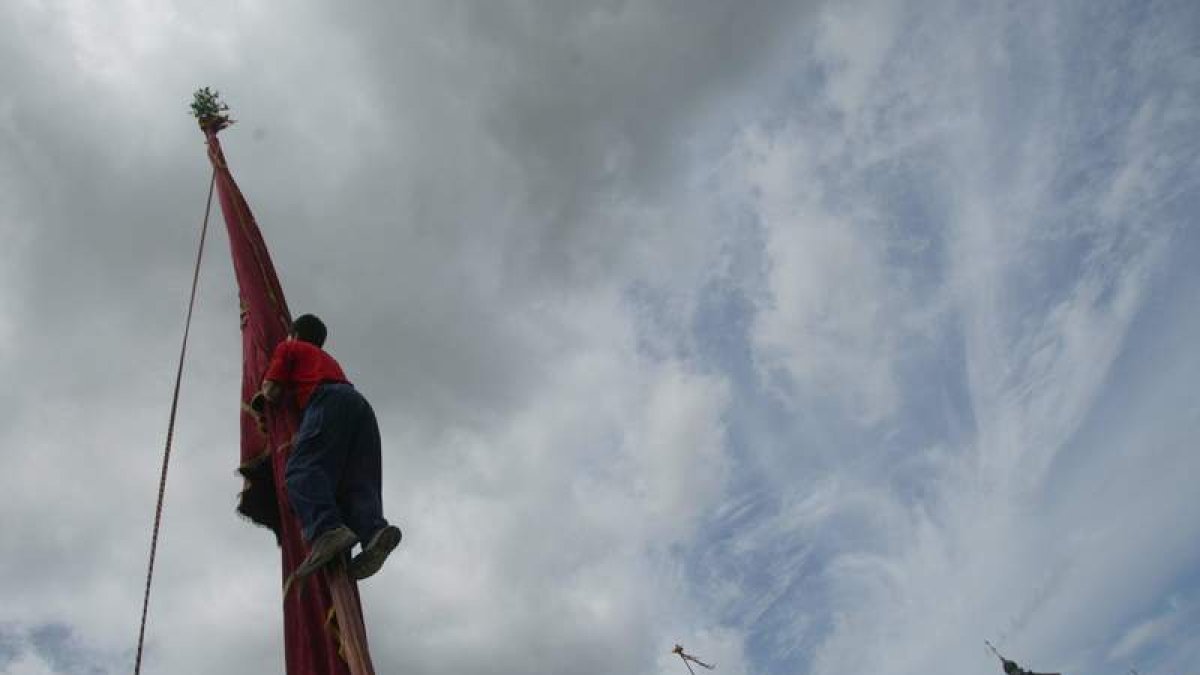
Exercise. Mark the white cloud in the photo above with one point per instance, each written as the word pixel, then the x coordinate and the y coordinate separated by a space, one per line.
pixel 542 528
pixel 829 314
pixel 853 40
pixel 28 664
pixel 1143 634
pixel 1039 287
pixel 941 400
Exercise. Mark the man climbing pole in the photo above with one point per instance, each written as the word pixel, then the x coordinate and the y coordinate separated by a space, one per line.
pixel 323 628
pixel 333 475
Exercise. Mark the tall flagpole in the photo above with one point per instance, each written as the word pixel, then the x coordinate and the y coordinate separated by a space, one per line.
pixel 323 625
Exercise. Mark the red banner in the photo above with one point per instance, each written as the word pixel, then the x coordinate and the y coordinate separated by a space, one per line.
pixel 318 639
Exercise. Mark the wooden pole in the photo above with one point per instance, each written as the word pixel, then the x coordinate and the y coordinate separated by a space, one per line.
pixel 351 631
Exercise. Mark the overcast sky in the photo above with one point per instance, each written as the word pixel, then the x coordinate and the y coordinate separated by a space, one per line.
pixel 821 338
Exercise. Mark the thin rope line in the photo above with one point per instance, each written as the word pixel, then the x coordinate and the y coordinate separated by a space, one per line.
pixel 162 481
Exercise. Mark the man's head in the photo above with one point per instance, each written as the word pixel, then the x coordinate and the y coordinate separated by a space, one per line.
pixel 309 329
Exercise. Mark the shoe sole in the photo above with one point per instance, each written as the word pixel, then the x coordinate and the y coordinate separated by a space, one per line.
pixel 371 560
pixel 312 564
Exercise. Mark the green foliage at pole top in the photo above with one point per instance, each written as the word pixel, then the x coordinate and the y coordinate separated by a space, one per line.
pixel 209 110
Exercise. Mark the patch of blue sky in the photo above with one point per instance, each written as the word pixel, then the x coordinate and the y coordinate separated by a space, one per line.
pixel 784 451
pixel 764 578
pixel 935 416
pixel 1127 478
pixel 1083 97
pixel 787 437
pixel 1155 636
pixel 58 648
pixel 10 644
pixel 1151 382
pixel 750 562
pixel 1067 106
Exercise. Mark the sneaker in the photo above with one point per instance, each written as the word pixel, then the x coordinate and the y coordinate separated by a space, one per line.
pixel 327 547
pixel 375 552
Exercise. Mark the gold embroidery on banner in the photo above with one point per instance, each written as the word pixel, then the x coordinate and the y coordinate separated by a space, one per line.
pixel 245 217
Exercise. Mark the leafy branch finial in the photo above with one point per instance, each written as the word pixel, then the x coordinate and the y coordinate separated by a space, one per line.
pixel 209 110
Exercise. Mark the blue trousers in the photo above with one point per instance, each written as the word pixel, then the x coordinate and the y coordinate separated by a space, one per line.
pixel 333 475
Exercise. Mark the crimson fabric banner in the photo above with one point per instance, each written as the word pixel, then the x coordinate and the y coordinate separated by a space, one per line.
pixel 316 638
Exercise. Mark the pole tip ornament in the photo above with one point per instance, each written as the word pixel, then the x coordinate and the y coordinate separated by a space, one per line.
pixel 210 111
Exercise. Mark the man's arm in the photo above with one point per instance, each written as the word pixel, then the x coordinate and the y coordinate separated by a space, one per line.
pixel 268 394
pixel 277 375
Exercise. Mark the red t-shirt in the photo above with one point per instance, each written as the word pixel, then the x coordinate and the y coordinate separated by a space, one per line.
pixel 302 366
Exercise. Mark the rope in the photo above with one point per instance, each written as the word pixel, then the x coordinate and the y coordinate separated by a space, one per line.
pixel 162 481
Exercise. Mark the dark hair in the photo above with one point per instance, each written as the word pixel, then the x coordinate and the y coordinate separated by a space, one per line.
pixel 309 329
